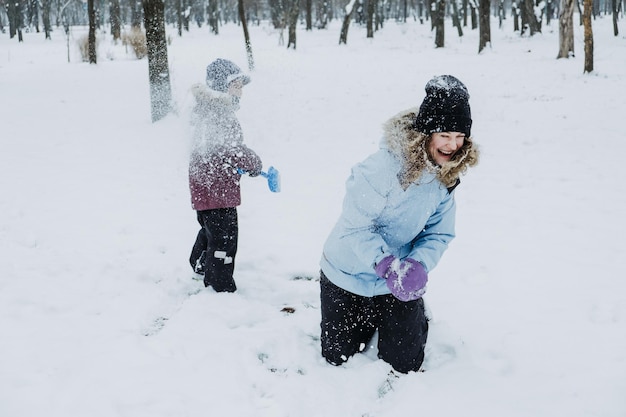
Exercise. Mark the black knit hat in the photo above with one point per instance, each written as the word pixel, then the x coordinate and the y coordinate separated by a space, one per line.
pixel 445 108
pixel 222 72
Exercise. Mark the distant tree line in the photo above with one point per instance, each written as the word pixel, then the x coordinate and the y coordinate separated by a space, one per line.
pixel 527 15
pixel 17 16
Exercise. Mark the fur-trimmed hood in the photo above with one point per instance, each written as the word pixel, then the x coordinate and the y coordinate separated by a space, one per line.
pixel 214 120
pixel 410 147
pixel 205 96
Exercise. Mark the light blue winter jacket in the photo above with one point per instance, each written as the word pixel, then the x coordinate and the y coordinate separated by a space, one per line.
pixel 380 218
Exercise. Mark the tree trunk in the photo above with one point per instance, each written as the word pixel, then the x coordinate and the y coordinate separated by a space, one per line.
pixel 465 6
pixel 455 18
pixel 322 9
pixel 343 36
pixel 294 11
pixel 91 11
pixel 566 29
pixel 158 69
pixel 473 16
pixel 135 14
pixel 13 11
pixel 405 10
pixel 615 14
pixel 33 14
pixel 213 14
pixel 309 14
pixel 432 13
pixel 246 35
pixel 116 19
pixel 438 19
pixel 588 4
pixel 371 6
pixel 420 12
pixel 484 25
pixel 186 15
pixel 45 17
pixel 179 17
pixel 531 18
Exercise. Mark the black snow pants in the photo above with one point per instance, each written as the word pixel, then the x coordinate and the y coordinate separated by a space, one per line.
pixel 218 240
pixel 349 322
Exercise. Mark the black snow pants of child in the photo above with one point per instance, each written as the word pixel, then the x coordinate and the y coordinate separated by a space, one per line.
pixel 218 240
pixel 349 322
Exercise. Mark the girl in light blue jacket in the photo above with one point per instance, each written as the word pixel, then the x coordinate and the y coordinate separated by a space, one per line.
pixel 397 220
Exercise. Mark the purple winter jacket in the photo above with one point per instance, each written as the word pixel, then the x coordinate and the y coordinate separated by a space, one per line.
pixel 217 151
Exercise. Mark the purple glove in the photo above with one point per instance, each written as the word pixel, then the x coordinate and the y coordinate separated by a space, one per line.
pixel 406 279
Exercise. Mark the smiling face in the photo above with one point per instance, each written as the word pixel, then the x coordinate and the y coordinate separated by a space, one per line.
pixel 443 146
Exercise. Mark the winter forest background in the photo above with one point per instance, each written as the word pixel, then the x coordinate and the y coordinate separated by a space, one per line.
pixel 99 311
pixel 42 15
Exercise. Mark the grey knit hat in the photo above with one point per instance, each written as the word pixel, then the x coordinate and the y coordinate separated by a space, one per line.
pixel 222 72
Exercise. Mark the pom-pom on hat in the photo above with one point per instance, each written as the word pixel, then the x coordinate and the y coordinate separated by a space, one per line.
pixel 222 72
pixel 445 108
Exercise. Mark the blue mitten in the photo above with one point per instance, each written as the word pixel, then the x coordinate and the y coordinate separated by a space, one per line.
pixel 405 279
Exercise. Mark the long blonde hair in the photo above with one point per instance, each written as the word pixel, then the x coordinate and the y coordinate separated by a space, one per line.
pixel 412 146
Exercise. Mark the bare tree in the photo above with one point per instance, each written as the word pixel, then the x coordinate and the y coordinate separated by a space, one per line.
pixel 158 69
pixel 371 8
pixel 292 19
pixel 179 17
pixel 213 13
pixel 322 8
pixel 588 4
pixel 136 9
pixel 473 18
pixel 438 22
pixel 566 29
pixel 91 11
pixel 455 17
pixel 246 34
pixel 350 8
pixel 45 17
pixel 484 25
pixel 308 7
pixel 529 17
pixel 615 6
pixel 515 11
pixel 116 19
pixel 15 15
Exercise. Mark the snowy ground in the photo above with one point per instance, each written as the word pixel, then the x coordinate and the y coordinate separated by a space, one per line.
pixel 99 315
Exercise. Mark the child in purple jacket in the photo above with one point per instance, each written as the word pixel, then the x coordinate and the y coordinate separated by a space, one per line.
pixel 217 155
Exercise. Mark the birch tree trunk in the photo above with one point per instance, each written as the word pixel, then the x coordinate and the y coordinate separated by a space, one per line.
pixel 566 29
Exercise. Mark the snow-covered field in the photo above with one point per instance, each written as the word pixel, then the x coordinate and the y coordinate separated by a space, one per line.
pixel 99 315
